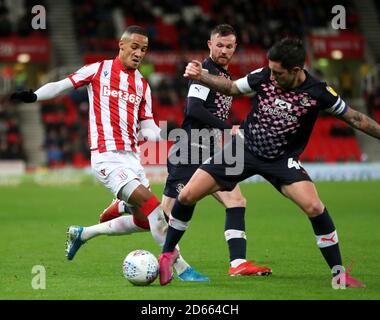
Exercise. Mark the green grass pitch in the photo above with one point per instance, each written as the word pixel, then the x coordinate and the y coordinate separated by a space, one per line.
pixel 34 220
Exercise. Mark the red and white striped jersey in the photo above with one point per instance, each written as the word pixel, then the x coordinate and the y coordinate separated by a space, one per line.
pixel 119 99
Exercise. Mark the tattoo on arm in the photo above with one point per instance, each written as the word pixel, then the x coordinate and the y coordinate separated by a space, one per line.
pixel 362 122
pixel 220 84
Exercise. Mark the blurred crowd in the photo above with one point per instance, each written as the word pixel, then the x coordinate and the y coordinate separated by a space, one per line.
pixel 10 136
pixel 66 126
pixel 174 25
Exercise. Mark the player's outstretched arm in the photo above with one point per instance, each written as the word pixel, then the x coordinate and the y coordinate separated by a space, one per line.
pixel 362 122
pixel 46 92
pixel 194 71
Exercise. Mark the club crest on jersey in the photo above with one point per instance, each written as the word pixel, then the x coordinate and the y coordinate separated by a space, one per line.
pixel 179 187
pixel 332 91
pixel 305 101
pixel 121 94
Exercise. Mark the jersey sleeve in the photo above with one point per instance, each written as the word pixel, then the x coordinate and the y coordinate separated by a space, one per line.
pixel 84 75
pixel 250 82
pixel 197 90
pixel 145 111
pixel 195 109
pixel 196 100
pixel 331 102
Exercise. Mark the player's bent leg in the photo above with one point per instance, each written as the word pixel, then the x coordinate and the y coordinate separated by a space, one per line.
pixel 200 185
pixel 305 195
pixel 147 206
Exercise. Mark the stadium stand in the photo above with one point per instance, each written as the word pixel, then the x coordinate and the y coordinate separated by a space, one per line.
pixel 172 26
pixel 10 138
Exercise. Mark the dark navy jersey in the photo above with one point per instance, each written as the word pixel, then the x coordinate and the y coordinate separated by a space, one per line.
pixel 281 121
pixel 218 107
pixel 217 103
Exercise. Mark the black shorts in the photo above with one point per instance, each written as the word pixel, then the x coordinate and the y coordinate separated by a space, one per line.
pixel 278 172
pixel 178 177
pixel 179 174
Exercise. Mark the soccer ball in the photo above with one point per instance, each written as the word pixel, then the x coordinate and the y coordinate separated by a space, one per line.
pixel 140 267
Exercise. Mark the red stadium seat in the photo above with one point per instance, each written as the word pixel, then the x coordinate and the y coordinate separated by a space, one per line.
pixel 325 147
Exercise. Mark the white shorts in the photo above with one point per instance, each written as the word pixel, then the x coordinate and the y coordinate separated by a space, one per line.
pixel 115 169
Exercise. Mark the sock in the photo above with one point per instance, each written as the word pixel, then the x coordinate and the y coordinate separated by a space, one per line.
pixel 327 238
pixel 234 233
pixel 180 265
pixel 144 224
pixel 236 262
pixel 156 217
pixel 178 222
pixel 158 225
pixel 119 226
pixel 123 208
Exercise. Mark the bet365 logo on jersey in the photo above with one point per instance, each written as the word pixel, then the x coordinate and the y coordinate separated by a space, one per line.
pixel 121 94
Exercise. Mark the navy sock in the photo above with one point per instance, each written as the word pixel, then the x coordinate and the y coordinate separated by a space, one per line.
pixel 327 238
pixel 235 233
pixel 182 213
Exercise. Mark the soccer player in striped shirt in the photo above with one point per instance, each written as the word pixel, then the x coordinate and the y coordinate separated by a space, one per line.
pixel 120 108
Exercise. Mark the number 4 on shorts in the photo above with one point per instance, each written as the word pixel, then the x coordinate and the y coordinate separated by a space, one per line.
pixel 294 164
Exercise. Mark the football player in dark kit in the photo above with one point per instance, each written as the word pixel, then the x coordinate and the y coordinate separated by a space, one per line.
pixel 285 107
pixel 207 111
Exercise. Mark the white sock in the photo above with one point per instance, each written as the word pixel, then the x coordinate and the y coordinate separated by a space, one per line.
pixel 180 265
pixel 236 262
pixel 118 226
pixel 122 206
pixel 158 226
